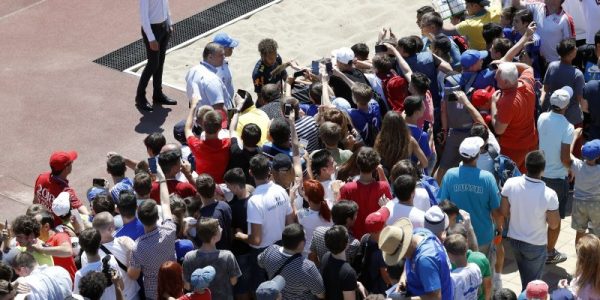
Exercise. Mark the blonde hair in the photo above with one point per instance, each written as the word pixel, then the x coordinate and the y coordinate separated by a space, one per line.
pixel 588 262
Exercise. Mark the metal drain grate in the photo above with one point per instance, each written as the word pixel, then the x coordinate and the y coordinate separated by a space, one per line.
pixel 134 53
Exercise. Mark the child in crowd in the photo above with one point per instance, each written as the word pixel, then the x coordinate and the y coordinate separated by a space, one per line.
pixel 466 277
pixel 200 280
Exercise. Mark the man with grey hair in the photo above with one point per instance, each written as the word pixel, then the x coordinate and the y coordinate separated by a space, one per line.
pixel 513 110
pixel 120 248
pixel 204 84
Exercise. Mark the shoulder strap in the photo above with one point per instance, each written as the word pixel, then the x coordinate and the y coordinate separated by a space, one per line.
pixel 289 260
pixel 121 265
pixel 470 82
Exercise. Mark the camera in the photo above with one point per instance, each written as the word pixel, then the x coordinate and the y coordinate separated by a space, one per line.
pixel 107 270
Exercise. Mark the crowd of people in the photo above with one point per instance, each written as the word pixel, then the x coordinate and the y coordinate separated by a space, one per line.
pixel 388 175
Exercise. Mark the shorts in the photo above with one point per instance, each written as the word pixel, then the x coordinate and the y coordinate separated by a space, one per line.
pixel 583 213
pixel 258 274
pixel 450 157
pixel 561 187
pixel 244 281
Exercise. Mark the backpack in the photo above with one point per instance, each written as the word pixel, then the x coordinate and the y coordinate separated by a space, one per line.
pixel 504 167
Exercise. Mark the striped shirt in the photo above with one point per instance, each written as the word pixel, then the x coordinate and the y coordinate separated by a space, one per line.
pixel 307 129
pixel 317 244
pixel 301 275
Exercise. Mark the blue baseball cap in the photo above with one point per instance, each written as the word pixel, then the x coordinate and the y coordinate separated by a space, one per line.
pixel 225 40
pixel 269 290
pixel 94 192
pixel 202 277
pixel 471 57
pixel 562 294
pixel 591 150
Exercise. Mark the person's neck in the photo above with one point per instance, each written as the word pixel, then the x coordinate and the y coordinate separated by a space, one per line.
pixel 414 243
pixel 285 145
pixel 242 194
pixel 407 203
pixel 323 177
pixel 340 256
pixel 92 257
pixel 461 262
pixel 289 251
pixel 148 229
pixel 171 175
pixel 328 147
pixel 375 237
pixel 261 181
pixel 208 247
pixel 536 176
pixel 207 201
pixel 366 178
pixel 117 179
pixel 362 107
pixel 250 149
pixel 566 61
pixel 472 163
pixel 44 236
pixel 127 220
pixel 553 9
pixel 107 238
pixel 314 206
pixel 413 119
pixel 212 136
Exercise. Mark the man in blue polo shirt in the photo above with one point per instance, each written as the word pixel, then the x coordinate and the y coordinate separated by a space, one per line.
pixel 474 191
pixel 223 71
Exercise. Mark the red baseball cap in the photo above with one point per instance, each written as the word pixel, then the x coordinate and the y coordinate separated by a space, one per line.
pixel 375 222
pixel 59 160
pixel 481 97
pixel 537 289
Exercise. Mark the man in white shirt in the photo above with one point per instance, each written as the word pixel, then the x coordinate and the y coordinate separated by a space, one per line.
pixel 531 205
pixel 204 83
pixel 402 205
pixel 156 31
pixel 223 71
pixel 120 249
pixel 466 277
pixel 269 211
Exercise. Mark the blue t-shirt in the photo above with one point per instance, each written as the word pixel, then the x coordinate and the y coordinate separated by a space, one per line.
pixel 484 79
pixel 476 192
pixel 124 185
pixel 591 92
pixel 428 270
pixel 361 120
pixel 422 138
pixel 309 109
pixel 133 229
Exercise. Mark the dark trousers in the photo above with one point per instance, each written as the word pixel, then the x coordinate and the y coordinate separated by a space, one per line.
pixel 156 60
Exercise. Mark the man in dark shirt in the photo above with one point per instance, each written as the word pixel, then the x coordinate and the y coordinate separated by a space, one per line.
pixel 344 60
pixel 338 276
pixel 236 183
pixel 212 208
pixel 270 68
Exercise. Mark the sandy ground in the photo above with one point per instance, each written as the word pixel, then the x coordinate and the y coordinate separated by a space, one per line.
pixel 304 29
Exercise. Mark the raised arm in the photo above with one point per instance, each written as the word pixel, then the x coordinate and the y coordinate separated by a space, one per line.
pixel 189 122
pixel 325 101
pixel 165 202
pixel 404 67
pixel 516 49
pixel 475 115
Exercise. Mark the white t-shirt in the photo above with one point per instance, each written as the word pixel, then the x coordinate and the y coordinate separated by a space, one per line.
pixel 399 210
pixel 421 199
pixel 591 13
pixel 466 281
pixel 554 130
pixel 328 193
pixel 119 251
pixel 529 200
pixel 552 29
pixel 48 283
pixel 109 292
pixel 310 220
pixel 268 206
pixel 573 8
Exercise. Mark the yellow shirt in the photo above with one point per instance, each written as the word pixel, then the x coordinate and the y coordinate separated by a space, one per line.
pixel 472 27
pixel 256 116
pixel 41 259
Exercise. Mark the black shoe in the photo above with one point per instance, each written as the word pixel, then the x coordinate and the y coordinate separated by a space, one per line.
pixel 142 104
pixel 164 100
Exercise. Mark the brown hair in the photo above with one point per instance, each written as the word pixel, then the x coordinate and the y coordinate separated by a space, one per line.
pixel 336 116
pixel 330 133
pixel 362 93
pixel 207 229
pixel 393 140
pixel 314 193
pixel 588 262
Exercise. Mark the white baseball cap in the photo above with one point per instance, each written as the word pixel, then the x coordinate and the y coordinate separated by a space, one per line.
pixel 344 55
pixel 61 204
pixel 470 147
pixel 561 97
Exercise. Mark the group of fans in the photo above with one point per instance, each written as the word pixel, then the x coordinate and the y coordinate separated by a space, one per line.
pixel 364 176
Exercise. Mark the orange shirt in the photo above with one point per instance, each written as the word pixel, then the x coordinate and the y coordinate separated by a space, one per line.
pixel 516 108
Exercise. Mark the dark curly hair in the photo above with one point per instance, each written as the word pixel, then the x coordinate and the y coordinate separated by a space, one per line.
pixel 92 285
pixel 26 225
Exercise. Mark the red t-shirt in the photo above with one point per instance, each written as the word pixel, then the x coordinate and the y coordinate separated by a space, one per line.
pixel 517 109
pixel 68 263
pixel 182 189
pixel 47 187
pixel 196 296
pixel 367 197
pixel 212 156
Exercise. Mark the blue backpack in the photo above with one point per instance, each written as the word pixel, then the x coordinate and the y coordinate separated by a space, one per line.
pixel 504 167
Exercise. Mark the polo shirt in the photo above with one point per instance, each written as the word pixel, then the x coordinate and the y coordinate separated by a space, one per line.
pixel 202 81
pixel 554 130
pixel 151 250
pixel 529 200
pixel 211 156
pixel 366 196
pixel 551 28
pixel 47 187
pixel 476 192
pixel 133 229
pixel 253 115
pixel 427 270
pixel 516 107
pixel 261 74
pixel 268 206
pixel 472 27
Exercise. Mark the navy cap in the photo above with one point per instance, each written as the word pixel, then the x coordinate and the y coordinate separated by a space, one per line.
pixel 225 40
pixel 282 161
pixel 179 132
